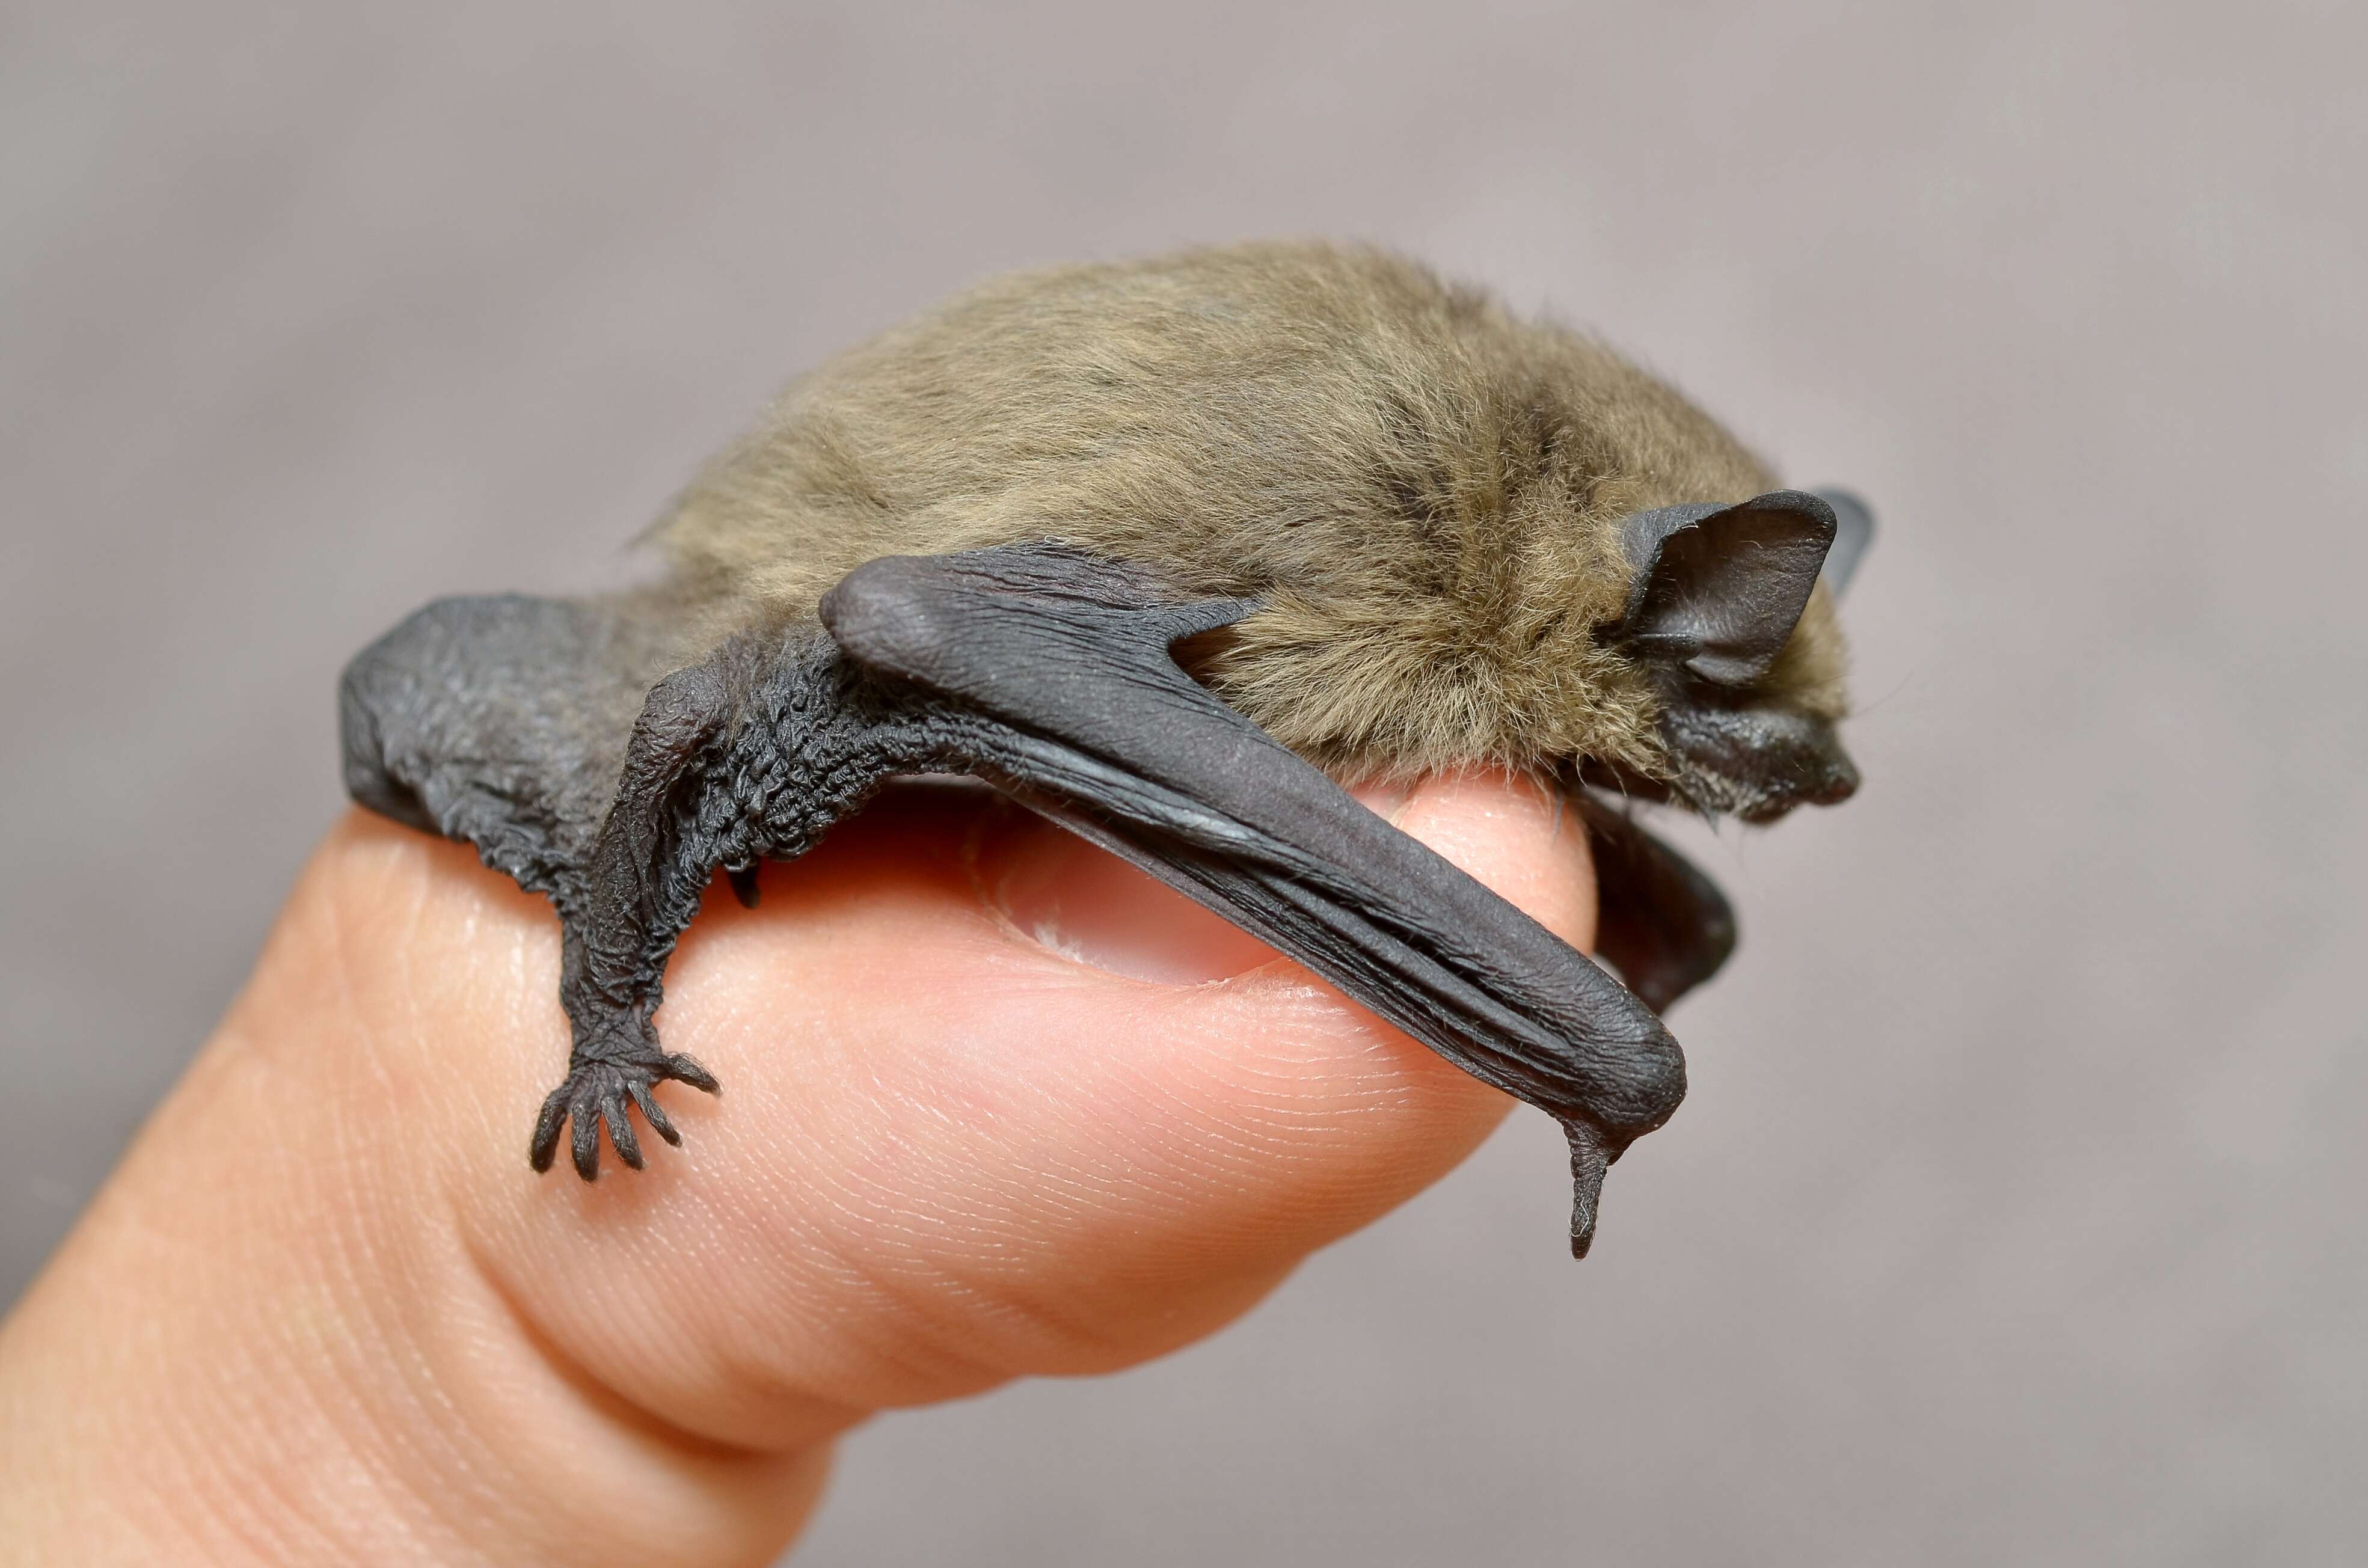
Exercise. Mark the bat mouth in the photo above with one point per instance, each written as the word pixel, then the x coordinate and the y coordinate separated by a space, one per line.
pixel 1753 764
pixel 1619 779
pixel 1756 763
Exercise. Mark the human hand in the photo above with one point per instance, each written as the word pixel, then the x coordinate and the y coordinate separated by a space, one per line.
pixel 323 1312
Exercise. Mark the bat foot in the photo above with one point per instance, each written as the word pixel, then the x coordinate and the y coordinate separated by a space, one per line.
pixel 597 1094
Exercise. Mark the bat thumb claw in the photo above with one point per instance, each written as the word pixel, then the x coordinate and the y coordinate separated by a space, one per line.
pixel 1588 1163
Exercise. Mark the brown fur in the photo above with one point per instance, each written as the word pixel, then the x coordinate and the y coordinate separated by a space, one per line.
pixel 1420 484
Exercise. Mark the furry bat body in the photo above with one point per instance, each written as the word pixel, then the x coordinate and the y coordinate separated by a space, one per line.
pixel 1149 548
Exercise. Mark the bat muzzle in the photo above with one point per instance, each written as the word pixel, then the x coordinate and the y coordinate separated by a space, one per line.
pixel 1756 763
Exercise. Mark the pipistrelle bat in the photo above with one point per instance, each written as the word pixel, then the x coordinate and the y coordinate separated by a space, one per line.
pixel 1153 548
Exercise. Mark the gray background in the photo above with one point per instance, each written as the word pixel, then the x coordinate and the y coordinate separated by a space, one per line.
pixel 2017 1211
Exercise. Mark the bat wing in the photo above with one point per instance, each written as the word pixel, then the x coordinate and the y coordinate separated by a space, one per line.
pixel 504 722
pixel 1660 922
pixel 1084 714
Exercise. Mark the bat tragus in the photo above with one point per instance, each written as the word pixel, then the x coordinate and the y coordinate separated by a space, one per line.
pixel 1152 548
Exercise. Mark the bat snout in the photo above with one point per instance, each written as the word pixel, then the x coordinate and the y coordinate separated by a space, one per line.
pixel 1758 763
pixel 1839 783
pixel 1824 781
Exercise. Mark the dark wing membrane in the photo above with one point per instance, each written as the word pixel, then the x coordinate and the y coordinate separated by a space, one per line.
pixel 503 722
pixel 1661 923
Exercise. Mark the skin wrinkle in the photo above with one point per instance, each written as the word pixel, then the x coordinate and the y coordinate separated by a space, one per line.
pixel 215 1499
pixel 574 1351
pixel 917 1290
pixel 701 1465
pixel 870 1282
pixel 819 1324
pixel 965 1335
pixel 741 1355
pixel 738 1378
pixel 598 1395
pixel 466 1491
pixel 341 1343
pixel 244 1390
pixel 392 1453
pixel 240 1388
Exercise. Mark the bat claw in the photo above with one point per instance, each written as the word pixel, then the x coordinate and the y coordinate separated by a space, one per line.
pixel 692 1072
pixel 601 1094
pixel 1589 1160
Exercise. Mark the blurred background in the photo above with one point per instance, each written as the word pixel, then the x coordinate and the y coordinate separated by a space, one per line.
pixel 2016 1214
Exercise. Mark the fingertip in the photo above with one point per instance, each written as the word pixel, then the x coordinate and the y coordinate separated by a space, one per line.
pixel 1076 899
pixel 1516 834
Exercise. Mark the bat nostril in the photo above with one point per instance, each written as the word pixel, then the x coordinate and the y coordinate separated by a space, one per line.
pixel 1841 782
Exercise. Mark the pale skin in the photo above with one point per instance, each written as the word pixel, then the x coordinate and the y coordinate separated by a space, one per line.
pixel 323 1312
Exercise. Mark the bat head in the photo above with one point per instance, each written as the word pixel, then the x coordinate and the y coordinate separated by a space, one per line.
pixel 1729 621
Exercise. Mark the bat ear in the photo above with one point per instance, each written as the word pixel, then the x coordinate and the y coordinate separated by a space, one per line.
pixel 1717 589
pixel 1853 532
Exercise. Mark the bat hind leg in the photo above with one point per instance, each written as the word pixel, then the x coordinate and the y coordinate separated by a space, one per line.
pixel 565 740
pixel 751 753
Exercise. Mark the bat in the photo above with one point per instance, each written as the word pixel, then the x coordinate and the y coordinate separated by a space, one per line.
pixel 1158 548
